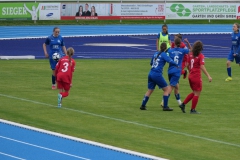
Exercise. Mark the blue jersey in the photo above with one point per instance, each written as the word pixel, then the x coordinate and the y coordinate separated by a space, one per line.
pixel 159 62
pixel 235 43
pixel 55 44
pixel 177 55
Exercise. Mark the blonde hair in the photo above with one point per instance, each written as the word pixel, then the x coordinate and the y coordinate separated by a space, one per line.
pixel 70 53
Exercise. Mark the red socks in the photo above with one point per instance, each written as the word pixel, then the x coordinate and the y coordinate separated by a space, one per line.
pixel 188 98
pixel 194 102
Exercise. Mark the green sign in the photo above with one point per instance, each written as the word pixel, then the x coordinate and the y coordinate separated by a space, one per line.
pixel 180 10
pixel 15 11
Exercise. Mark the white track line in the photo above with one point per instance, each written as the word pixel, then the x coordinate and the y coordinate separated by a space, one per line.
pixel 11 156
pixel 83 140
pixel 45 148
pixel 129 122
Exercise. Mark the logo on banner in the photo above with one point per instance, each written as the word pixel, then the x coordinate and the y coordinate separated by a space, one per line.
pixel 180 10
pixel 49 14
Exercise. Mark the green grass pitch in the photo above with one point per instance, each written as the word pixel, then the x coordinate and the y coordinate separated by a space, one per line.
pixel 103 106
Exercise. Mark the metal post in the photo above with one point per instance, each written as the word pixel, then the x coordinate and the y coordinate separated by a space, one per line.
pixel 165 10
pixel 120 18
pixel 209 20
pixel 37 15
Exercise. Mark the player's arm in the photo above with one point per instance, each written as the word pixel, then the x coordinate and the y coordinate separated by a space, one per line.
pixel 189 45
pixel 45 50
pixel 168 59
pixel 157 44
pixel 206 73
pixel 64 49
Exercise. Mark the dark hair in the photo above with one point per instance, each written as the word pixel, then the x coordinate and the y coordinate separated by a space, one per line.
pixel 197 48
pixel 79 8
pixel 55 28
pixel 179 35
pixel 238 26
pixel 86 4
pixel 177 42
pixel 166 27
pixel 163 48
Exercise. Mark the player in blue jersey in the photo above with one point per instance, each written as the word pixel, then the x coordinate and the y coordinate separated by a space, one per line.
pixel 56 45
pixel 235 50
pixel 163 37
pixel 177 54
pixel 155 77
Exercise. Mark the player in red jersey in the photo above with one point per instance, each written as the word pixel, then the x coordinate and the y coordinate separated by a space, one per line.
pixel 196 65
pixel 64 72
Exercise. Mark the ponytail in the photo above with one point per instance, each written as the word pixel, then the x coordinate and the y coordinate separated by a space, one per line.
pixel 70 53
pixel 163 48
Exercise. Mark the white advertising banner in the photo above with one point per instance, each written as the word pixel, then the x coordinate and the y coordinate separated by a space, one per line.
pixel 49 11
pixel 201 11
pixel 112 11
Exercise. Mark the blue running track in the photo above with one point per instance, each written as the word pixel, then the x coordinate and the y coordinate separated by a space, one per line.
pixel 136 41
pixel 22 143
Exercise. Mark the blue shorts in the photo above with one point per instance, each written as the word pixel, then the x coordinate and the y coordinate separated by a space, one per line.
pixel 231 57
pixel 174 79
pixel 52 63
pixel 156 79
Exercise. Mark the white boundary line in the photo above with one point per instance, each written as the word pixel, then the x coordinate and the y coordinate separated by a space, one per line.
pixel 11 156
pixel 102 35
pixel 75 139
pixel 129 122
pixel 45 148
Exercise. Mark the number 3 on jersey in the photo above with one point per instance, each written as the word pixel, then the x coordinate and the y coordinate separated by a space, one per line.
pixel 65 64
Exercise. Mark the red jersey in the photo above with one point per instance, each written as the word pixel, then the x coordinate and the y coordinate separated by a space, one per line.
pixel 64 69
pixel 182 45
pixel 195 65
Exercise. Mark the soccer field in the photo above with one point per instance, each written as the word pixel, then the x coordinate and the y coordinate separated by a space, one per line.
pixel 103 106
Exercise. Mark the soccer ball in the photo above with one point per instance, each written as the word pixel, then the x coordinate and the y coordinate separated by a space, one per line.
pixel 55 56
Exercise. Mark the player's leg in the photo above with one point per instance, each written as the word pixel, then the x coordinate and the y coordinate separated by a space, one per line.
pixel 189 96
pixel 151 87
pixel 195 101
pixel 60 87
pixel 53 65
pixel 229 70
pixel 177 94
pixel 169 79
pixel 160 81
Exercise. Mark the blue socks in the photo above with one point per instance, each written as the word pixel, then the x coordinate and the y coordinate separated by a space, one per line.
pixel 229 71
pixel 165 101
pixel 53 79
pixel 145 100
pixel 177 96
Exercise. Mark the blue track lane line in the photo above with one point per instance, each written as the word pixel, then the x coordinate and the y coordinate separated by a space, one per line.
pixel 24 143
pixel 73 30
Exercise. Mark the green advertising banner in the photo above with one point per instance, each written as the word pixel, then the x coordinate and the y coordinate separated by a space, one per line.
pixel 19 11
pixel 202 10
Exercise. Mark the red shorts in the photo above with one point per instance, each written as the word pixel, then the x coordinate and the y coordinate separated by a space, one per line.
pixel 195 84
pixel 63 85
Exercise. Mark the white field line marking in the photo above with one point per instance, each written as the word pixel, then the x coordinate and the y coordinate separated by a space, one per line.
pixel 33 145
pixel 129 122
pixel 11 156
